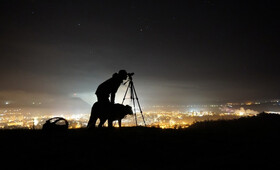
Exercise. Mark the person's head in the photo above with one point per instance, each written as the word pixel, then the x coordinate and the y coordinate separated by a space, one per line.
pixel 122 74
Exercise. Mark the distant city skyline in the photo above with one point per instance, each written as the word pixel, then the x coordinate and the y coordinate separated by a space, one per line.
pixel 170 116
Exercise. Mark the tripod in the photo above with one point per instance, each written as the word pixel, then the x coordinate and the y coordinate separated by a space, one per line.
pixel 133 96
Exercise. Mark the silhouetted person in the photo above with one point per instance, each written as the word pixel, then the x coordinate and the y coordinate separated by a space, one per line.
pixel 104 91
pixel 110 87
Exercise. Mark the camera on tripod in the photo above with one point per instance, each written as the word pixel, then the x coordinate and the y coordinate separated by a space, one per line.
pixel 130 75
pixel 133 96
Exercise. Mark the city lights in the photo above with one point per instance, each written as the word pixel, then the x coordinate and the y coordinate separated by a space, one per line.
pixel 155 116
pixel 36 121
pixel 163 119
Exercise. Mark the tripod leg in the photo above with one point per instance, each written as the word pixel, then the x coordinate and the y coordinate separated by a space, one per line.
pixel 110 123
pixel 126 92
pixel 133 101
pixel 138 104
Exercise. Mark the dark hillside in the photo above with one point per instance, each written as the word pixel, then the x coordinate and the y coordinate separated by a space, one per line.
pixel 262 122
pixel 245 143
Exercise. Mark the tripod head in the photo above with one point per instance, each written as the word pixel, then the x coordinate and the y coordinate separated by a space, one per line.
pixel 130 76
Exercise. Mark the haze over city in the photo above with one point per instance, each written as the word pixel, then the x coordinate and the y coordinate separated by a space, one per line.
pixel 55 54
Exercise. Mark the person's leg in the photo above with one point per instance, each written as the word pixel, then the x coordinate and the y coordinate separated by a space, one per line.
pixel 102 121
pixel 110 123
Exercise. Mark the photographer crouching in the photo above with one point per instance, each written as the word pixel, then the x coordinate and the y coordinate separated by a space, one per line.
pixel 106 92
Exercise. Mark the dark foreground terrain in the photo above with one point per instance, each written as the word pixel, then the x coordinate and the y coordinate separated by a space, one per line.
pixel 246 143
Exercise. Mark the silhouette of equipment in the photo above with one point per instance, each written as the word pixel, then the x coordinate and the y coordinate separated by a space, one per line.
pixel 56 124
pixel 133 96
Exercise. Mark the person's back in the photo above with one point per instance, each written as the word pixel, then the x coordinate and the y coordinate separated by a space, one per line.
pixel 108 86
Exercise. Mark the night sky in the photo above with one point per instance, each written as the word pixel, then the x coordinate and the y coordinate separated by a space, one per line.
pixel 182 52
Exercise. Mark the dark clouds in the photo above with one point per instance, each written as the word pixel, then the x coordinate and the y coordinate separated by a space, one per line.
pixel 181 52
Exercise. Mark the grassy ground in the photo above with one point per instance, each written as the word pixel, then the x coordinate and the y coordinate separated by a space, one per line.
pixel 245 143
